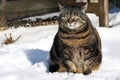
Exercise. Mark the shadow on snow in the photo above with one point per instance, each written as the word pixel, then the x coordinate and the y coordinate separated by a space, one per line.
pixel 36 55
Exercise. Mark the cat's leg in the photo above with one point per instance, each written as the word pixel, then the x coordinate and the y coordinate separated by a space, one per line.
pixel 62 69
pixel 70 66
pixel 79 70
pixel 91 64
pixel 85 56
pixel 87 68
pixel 80 67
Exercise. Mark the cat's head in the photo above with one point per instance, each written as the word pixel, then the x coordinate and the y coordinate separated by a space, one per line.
pixel 72 17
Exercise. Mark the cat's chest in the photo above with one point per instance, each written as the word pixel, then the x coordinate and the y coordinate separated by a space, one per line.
pixel 75 41
pixel 76 38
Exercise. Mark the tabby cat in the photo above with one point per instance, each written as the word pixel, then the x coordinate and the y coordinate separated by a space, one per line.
pixel 77 45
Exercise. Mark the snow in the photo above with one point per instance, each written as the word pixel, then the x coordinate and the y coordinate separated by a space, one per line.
pixel 28 58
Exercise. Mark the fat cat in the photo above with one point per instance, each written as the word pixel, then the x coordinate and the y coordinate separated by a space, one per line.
pixel 77 45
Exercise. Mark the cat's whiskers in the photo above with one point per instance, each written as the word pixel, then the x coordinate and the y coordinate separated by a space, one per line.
pixel 75 25
pixel 71 25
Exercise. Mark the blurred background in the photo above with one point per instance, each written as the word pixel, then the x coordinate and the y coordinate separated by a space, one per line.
pixel 19 9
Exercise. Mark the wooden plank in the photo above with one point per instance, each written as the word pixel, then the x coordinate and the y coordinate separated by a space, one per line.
pixel 93 8
pixel 91 1
pixel 24 14
pixel 94 1
pixel 66 2
pixel 3 19
pixel 37 7
pixel 103 13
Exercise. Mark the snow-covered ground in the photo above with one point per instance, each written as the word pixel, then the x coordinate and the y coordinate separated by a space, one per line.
pixel 28 58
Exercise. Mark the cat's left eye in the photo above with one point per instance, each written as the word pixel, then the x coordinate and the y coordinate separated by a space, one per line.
pixel 64 18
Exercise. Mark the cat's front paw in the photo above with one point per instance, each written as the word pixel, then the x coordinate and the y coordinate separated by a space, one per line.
pixel 87 72
pixel 70 66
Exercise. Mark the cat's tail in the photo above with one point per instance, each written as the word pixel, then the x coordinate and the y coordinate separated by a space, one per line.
pixel 54 68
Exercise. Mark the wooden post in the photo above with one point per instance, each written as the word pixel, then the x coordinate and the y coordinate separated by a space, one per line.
pixel 103 13
pixel 3 19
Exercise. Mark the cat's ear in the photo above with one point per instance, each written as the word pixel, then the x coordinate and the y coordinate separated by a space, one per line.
pixel 84 8
pixel 60 6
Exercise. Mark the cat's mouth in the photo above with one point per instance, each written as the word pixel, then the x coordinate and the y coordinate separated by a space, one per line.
pixel 74 25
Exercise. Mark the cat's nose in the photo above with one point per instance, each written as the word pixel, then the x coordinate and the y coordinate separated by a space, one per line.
pixel 69 21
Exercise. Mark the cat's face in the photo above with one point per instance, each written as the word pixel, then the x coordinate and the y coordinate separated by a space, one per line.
pixel 72 17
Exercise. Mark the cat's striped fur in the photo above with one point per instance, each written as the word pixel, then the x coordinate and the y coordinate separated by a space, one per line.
pixel 77 45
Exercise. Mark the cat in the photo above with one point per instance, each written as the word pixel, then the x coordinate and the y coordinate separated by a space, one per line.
pixel 77 44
